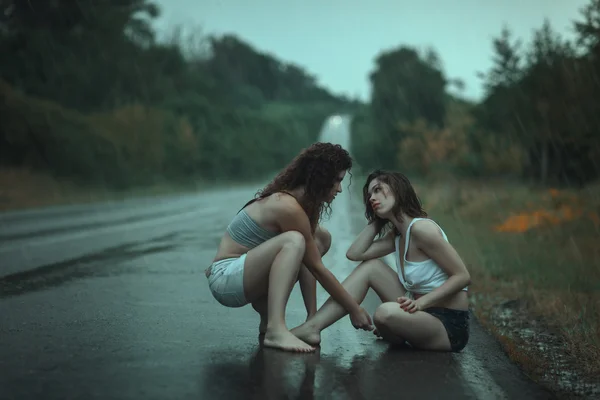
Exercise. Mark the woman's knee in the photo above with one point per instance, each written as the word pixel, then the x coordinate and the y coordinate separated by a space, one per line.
pixel 366 266
pixel 294 239
pixel 370 263
pixel 387 314
pixel 323 238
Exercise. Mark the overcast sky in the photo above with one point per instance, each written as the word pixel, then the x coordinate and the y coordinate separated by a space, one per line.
pixel 337 40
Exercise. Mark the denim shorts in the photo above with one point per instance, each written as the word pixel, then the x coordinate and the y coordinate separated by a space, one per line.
pixel 226 281
pixel 456 323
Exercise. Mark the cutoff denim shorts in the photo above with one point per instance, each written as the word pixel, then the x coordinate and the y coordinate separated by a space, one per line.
pixel 226 281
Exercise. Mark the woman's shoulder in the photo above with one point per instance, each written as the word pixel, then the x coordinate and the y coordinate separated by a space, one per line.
pixel 426 229
pixel 281 202
pixel 425 221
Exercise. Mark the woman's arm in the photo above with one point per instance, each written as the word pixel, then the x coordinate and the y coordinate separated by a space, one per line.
pixel 291 217
pixel 308 283
pixel 427 237
pixel 365 248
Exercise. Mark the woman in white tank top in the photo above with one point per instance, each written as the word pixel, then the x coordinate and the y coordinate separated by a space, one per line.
pixel 425 303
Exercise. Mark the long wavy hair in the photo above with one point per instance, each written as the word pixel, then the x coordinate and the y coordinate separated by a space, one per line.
pixel 407 201
pixel 317 168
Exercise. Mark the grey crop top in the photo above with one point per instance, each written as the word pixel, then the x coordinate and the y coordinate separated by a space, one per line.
pixel 245 231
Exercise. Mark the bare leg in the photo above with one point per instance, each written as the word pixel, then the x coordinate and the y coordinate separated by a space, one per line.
pixel 271 269
pixel 308 284
pixel 369 274
pixel 261 307
pixel 420 329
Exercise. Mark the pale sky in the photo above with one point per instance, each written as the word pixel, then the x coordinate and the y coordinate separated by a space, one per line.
pixel 337 41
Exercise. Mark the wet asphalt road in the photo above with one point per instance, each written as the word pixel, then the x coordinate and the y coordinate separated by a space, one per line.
pixel 110 302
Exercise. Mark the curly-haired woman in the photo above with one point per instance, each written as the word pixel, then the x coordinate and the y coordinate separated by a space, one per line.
pixel 275 240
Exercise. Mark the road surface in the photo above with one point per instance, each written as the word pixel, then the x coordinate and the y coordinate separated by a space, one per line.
pixel 110 302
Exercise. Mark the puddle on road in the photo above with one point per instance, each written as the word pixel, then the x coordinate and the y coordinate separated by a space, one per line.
pixel 109 262
pixel 512 321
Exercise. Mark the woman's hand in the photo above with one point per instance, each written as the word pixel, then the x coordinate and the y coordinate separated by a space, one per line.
pixel 361 320
pixel 409 305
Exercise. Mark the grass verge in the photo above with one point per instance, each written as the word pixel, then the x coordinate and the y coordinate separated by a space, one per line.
pixel 535 247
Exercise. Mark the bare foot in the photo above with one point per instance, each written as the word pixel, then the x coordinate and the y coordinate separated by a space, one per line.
pixel 308 334
pixel 284 340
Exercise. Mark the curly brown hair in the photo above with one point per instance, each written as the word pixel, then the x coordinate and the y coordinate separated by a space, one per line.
pixel 316 168
pixel 407 201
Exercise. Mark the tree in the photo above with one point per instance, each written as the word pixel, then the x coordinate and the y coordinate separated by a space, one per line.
pixel 544 100
pixel 405 87
pixel 589 29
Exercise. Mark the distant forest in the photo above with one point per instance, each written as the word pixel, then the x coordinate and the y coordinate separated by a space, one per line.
pixel 90 94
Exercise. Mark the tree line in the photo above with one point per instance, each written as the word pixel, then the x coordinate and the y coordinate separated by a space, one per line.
pixel 89 93
pixel 539 118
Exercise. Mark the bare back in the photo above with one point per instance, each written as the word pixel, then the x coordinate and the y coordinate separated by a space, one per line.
pixel 265 212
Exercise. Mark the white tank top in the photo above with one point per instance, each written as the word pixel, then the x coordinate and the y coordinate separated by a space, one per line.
pixel 421 276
